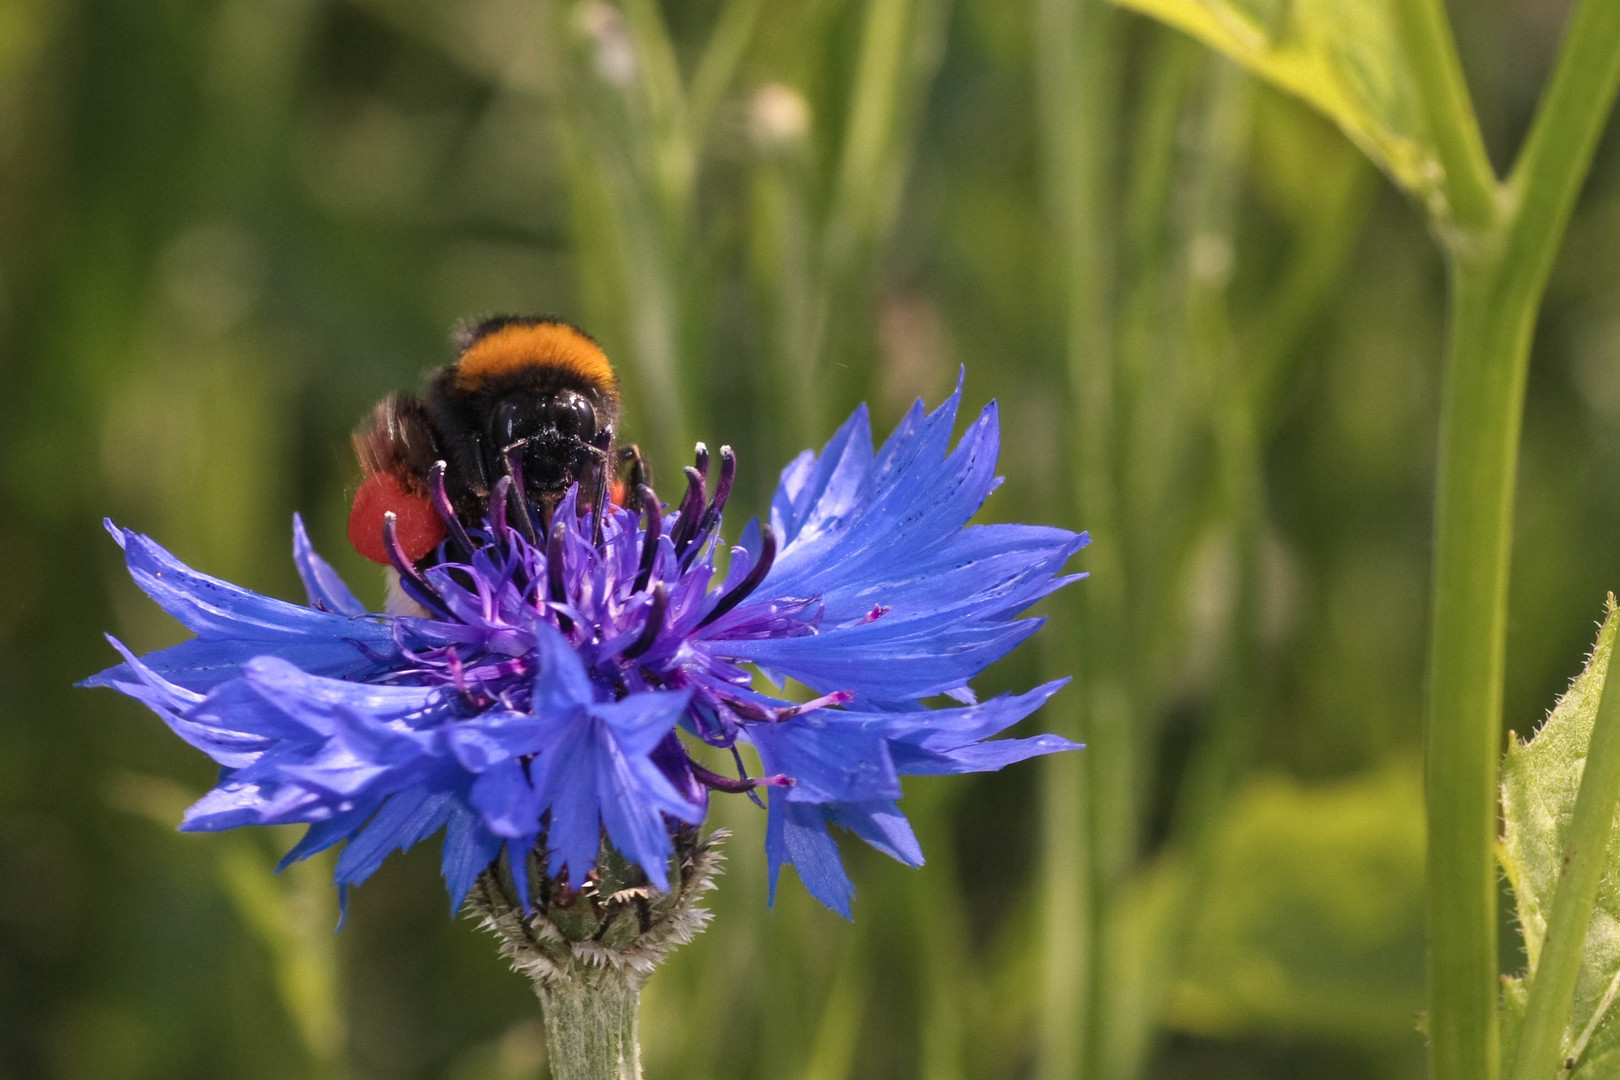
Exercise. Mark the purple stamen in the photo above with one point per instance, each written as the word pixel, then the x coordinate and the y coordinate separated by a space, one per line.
pixel 368 652
pixel 505 669
pixel 722 492
pixel 756 574
pixel 837 697
pixel 654 625
pixel 602 441
pixel 749 711
pixel 458 677
pixel 514 469
pixel 649 543
pixel 691 508
pixel 410 578
pixel 670 757
pixel 441 503
pixel 737 787
pixel 554 575
pixel 497 508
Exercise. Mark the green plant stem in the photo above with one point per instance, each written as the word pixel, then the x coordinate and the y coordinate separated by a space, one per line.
pixel 877 105
pixel 664 127
pixel 717 68
pixel 1541 1040
pixel 1497 282
pixel 1153 395
pixel 1469 184
pixel 1479 437
pixel 591 1025
pixel 1558 152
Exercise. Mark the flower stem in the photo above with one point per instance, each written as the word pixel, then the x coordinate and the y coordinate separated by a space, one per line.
pixel 1497 281
pixel 1469 184
pixel 591 1026
pixel 1481 408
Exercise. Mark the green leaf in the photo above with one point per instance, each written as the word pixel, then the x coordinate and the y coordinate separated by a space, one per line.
pixel 1343 57
pixel 1540 779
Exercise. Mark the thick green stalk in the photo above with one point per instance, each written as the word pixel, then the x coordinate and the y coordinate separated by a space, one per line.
pixel 1558 152
pixel 591 1026
pixel 1540 1049
pixel 1469 184
pixel 1497 281
pixel 1479 438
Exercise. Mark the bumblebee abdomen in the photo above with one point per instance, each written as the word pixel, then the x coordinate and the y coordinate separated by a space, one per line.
pixel 504 347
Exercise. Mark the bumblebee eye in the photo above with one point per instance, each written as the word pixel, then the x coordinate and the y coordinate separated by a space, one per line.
pixel 505 425
pixel 571 414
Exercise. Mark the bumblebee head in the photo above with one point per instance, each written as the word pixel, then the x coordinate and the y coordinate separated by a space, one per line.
pixel 533 396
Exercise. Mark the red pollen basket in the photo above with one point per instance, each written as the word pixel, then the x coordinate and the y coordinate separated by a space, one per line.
pixel 419 527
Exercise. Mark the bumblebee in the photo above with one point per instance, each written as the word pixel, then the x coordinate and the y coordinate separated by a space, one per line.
pixel 534 398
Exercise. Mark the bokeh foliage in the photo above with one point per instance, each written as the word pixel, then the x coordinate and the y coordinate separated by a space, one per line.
pixel 227 227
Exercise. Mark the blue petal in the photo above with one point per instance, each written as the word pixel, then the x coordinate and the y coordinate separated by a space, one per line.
pixel 947 729
pixel 901 664
pixel 203 663
pixel 796 834
pixel 640 721
pixel 404 820
pixel 828 759
pixel 562 686
pixel 979 757
pixel 590 779
pixel 633 824
pixel 233 625
pixel 210 607
pixel 816 494
pixel 882 825
pixel 469 848
pixel 912 603
pixel 276 705
pixel 326 589
pixel 489 739
pixel 517 857
pixel 507 802
pixel 240 706
pixel 179 708
pixel 323 834
pixel 566 776
pixel 227 806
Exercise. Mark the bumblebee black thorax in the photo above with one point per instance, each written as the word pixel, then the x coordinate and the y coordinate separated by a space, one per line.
pixel 549 428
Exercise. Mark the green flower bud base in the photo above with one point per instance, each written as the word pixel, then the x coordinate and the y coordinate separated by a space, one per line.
pixel 591 1026
pixel 590 951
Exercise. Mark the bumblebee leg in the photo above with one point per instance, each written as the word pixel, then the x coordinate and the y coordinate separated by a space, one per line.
pixel 634 473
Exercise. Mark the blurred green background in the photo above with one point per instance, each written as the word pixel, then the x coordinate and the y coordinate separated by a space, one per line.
pixel 227 228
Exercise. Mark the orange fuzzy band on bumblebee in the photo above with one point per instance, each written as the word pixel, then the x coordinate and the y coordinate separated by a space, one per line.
pixel 552 345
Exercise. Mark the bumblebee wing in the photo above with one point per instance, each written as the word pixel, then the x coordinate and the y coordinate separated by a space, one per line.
pixel 397 439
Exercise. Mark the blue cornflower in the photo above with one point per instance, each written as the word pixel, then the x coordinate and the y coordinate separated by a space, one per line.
pixel 555 668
